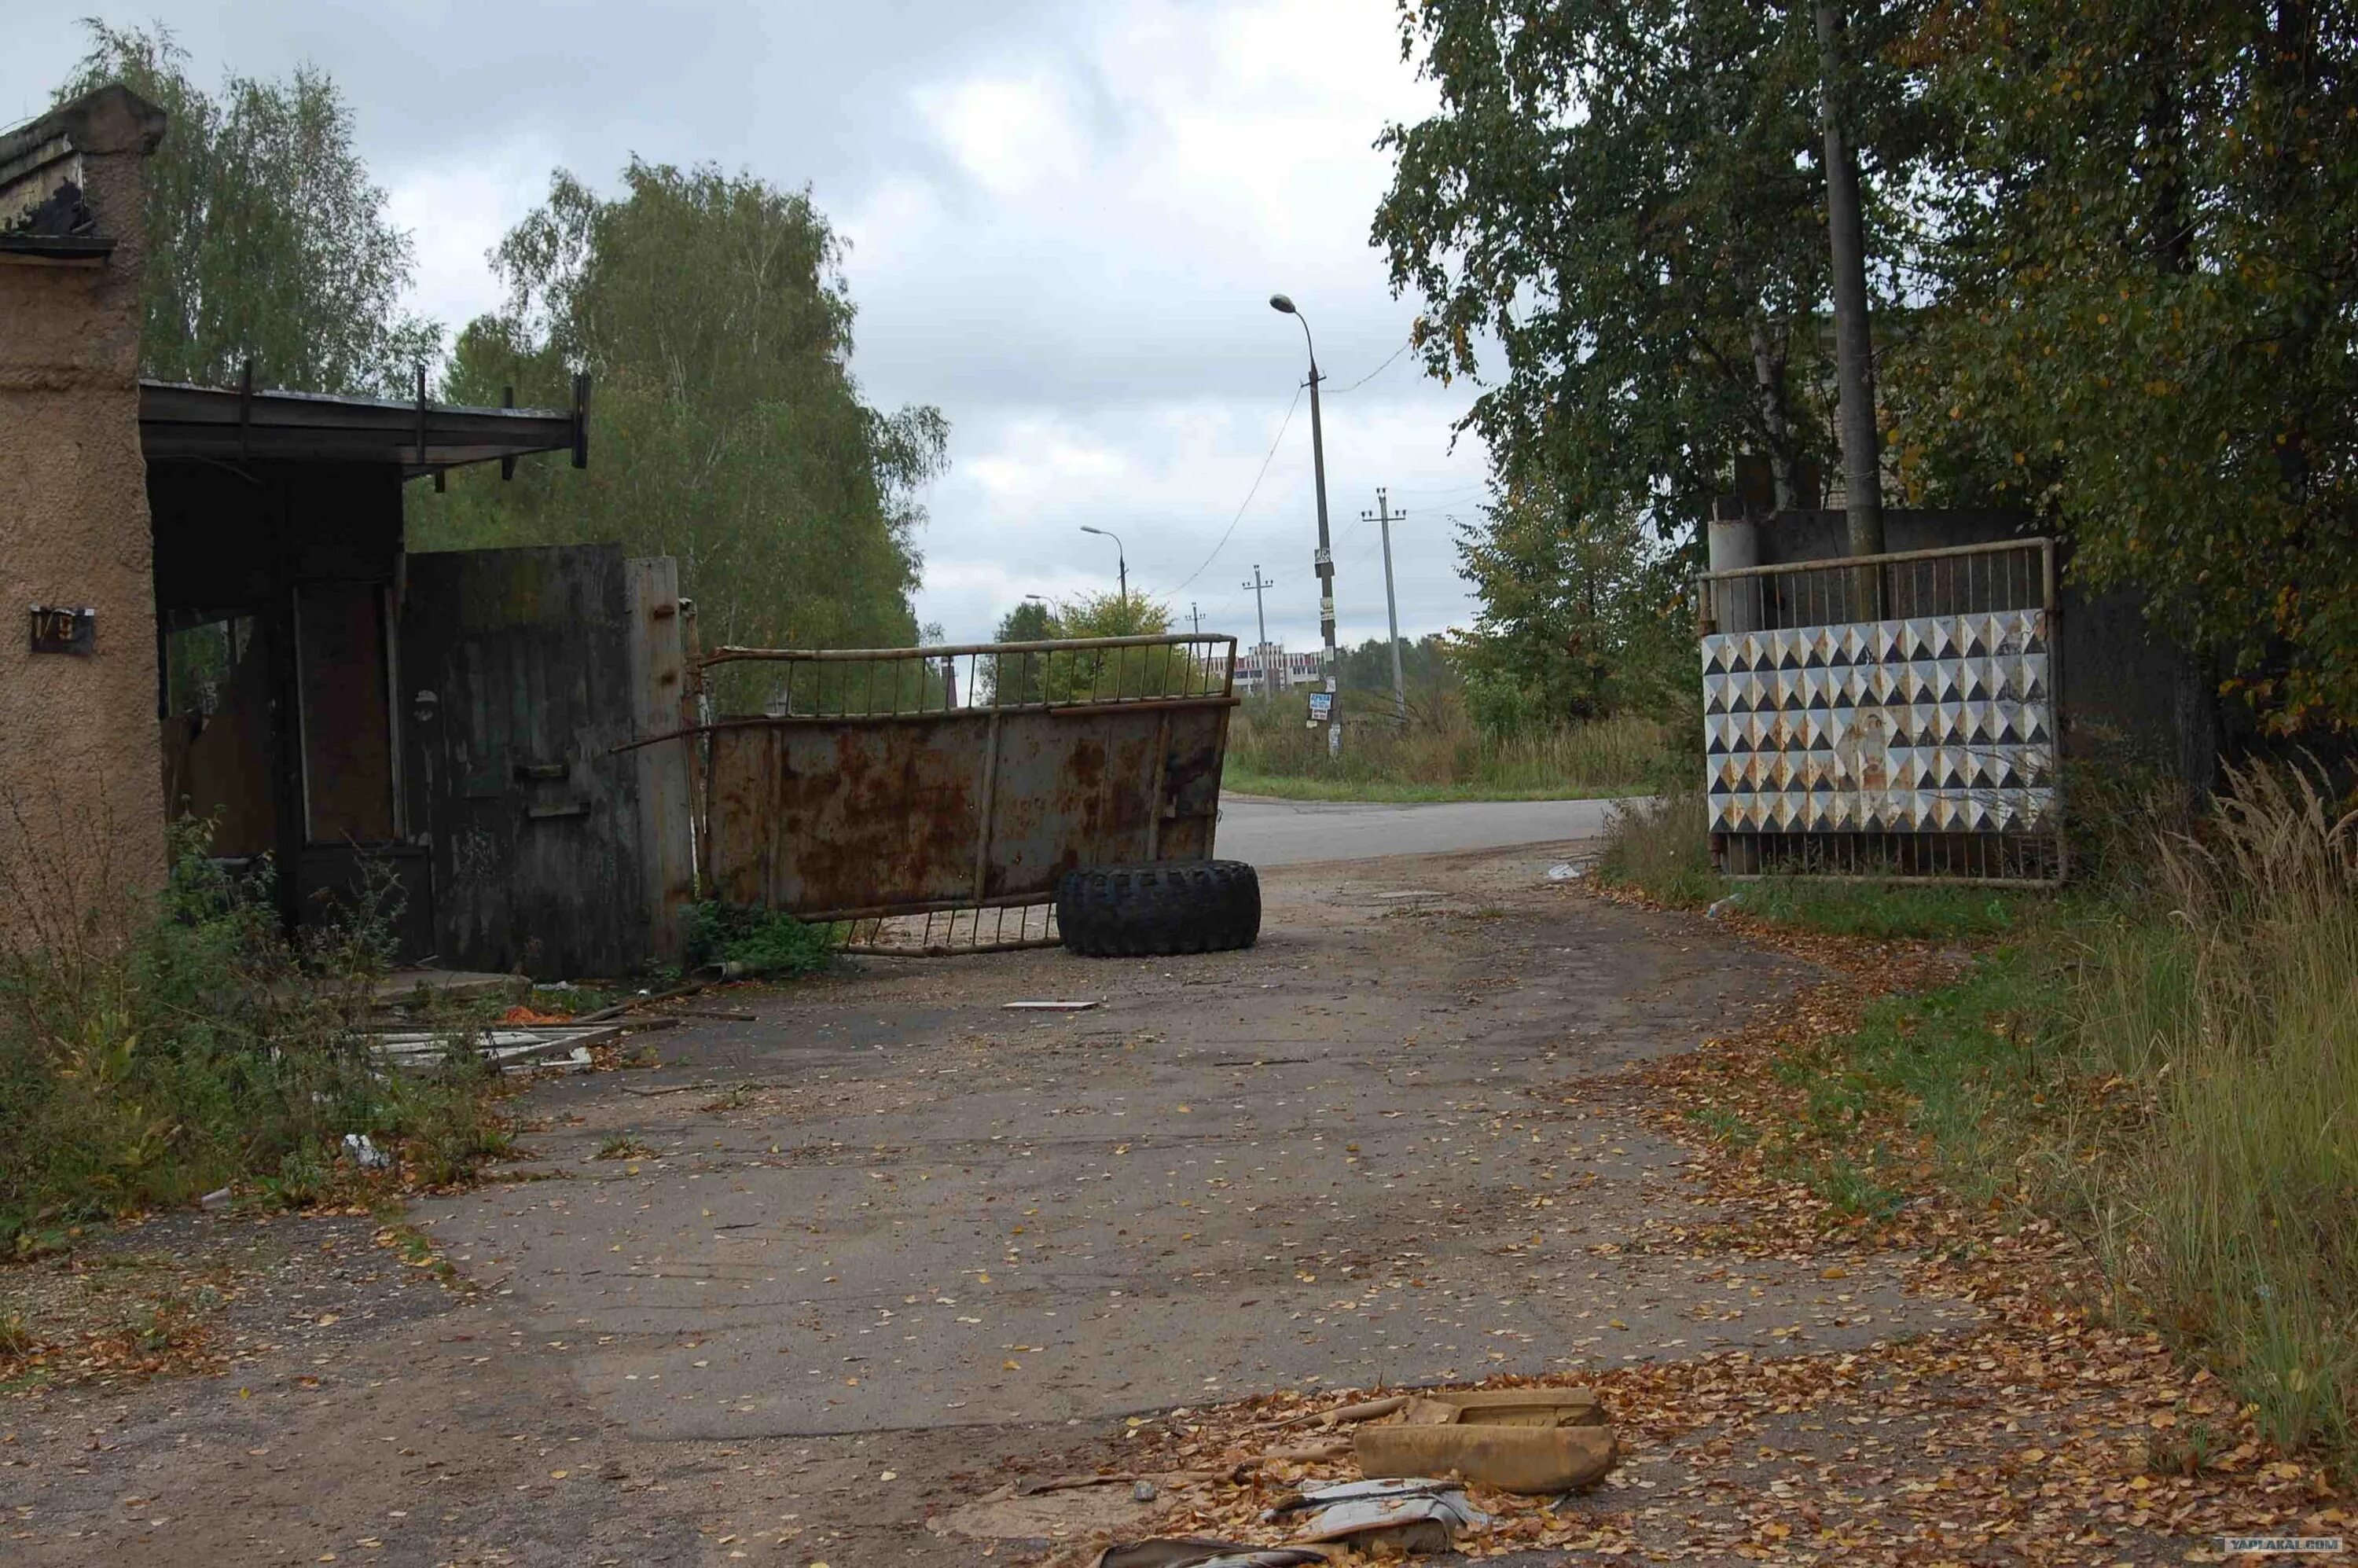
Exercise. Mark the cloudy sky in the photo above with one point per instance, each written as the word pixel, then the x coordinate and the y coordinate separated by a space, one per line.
pixel 1065 220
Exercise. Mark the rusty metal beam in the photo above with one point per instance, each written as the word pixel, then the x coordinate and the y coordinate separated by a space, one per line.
pixel 957 650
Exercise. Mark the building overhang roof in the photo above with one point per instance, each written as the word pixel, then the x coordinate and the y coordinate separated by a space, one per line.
pixel 231 424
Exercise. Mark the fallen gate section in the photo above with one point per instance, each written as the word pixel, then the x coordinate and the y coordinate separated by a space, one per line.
pixel 954 785
pixel 1886 716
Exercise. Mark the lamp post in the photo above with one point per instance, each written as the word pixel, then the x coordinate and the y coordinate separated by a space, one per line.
pixel 1121 561
pixel 1325 556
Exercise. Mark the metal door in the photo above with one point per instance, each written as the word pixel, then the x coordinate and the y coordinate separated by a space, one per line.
pixel 557 847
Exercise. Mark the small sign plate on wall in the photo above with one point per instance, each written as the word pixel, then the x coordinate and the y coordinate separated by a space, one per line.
pixel 59 629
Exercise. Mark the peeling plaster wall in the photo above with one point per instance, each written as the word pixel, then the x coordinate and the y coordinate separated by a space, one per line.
pixel 81 767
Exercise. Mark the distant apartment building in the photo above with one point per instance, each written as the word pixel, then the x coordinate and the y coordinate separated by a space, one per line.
pixel 1269 667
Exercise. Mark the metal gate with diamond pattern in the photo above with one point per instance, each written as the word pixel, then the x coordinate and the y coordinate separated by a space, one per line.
pixel 1886 716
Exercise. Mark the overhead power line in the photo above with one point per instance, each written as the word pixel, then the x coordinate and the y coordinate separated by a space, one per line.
pixel 1405 346
pixel 1281 426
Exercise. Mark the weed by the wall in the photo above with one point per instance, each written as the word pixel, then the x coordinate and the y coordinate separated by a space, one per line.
pixel 757 941
pixel 1661 847
pixel 154 1047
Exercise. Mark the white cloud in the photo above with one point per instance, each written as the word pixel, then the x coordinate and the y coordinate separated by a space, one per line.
pixel 1011 136
pixel 1066 220
pixel 455 212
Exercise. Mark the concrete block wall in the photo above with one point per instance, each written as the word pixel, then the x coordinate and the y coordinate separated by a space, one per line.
pixel 82 803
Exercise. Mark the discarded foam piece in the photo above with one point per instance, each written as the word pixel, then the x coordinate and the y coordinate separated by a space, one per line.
pixel 1538 1461
pixel 1201 1551
pixel 1410 1514
pixel 1506 1407
pixel 1048 1006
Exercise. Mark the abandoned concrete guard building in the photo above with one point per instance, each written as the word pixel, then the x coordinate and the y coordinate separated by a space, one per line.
pixel 219 622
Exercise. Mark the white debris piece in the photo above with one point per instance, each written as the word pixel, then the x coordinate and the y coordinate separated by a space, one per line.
pixel 366 1153
pixel 1382 1507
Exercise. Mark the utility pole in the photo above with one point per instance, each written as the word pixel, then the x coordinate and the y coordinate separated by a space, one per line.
pixel 1326 563
pixel 1196 616
pixel 1853 341
pixel 1383 515
pixel 1325 559
pixel 1261 585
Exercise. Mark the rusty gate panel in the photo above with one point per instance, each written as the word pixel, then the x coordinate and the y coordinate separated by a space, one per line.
pixel 906 782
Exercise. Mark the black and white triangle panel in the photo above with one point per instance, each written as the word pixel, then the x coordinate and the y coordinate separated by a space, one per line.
pixel 1937 724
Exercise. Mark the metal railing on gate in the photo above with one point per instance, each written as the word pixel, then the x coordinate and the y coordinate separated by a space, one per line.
pixel 1886 716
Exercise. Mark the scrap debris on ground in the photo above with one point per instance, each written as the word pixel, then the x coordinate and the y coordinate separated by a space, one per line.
pixel 2044 1433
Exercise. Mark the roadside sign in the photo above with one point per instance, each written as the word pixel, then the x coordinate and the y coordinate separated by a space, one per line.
pixel 1321 705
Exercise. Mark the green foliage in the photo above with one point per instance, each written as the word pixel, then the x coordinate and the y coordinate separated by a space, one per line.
pixel 265 238
pixel 2148 317
pixel 1071 676
pixel 1112 615
pixel 726 429
pixel 2107 251
pixel 1619 206
pixel 1427 666
pixel 1030 622
pixel 1582 616
pixel 158 1047
pixel 757 941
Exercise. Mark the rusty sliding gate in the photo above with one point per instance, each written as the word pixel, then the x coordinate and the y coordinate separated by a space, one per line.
pixel 1890 717
pixel 929 798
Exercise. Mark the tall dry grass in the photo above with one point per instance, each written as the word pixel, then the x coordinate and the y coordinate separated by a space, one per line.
pixel 1441 750
pixel 2226 1203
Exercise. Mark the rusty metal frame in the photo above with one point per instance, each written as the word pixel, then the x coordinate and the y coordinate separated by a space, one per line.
pixel 2008 574
pixel 1141 699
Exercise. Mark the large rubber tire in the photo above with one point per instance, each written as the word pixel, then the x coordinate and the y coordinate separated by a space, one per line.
pixel 1171 906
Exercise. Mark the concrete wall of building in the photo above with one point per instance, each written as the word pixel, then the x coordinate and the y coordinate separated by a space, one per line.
pixel 80 786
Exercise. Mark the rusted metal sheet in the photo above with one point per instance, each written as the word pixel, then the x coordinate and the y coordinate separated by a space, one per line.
pixel 1067 753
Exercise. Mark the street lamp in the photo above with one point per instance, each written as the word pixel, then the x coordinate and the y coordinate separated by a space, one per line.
pixel 1326 557
pixel 1121 560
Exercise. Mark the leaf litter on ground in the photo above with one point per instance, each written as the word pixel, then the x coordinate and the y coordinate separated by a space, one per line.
pixel 2045 1431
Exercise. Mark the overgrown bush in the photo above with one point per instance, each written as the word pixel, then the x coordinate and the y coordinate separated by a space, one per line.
pixel 757 941
pixel 156 1046
pixel 1661 847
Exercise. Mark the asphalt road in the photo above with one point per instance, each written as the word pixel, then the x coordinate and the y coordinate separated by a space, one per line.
pixel 1289 832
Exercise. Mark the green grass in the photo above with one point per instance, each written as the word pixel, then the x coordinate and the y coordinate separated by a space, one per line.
pixel 1440 754
pixel 2166 1062
pixel 1883 910
pixel 1661 847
